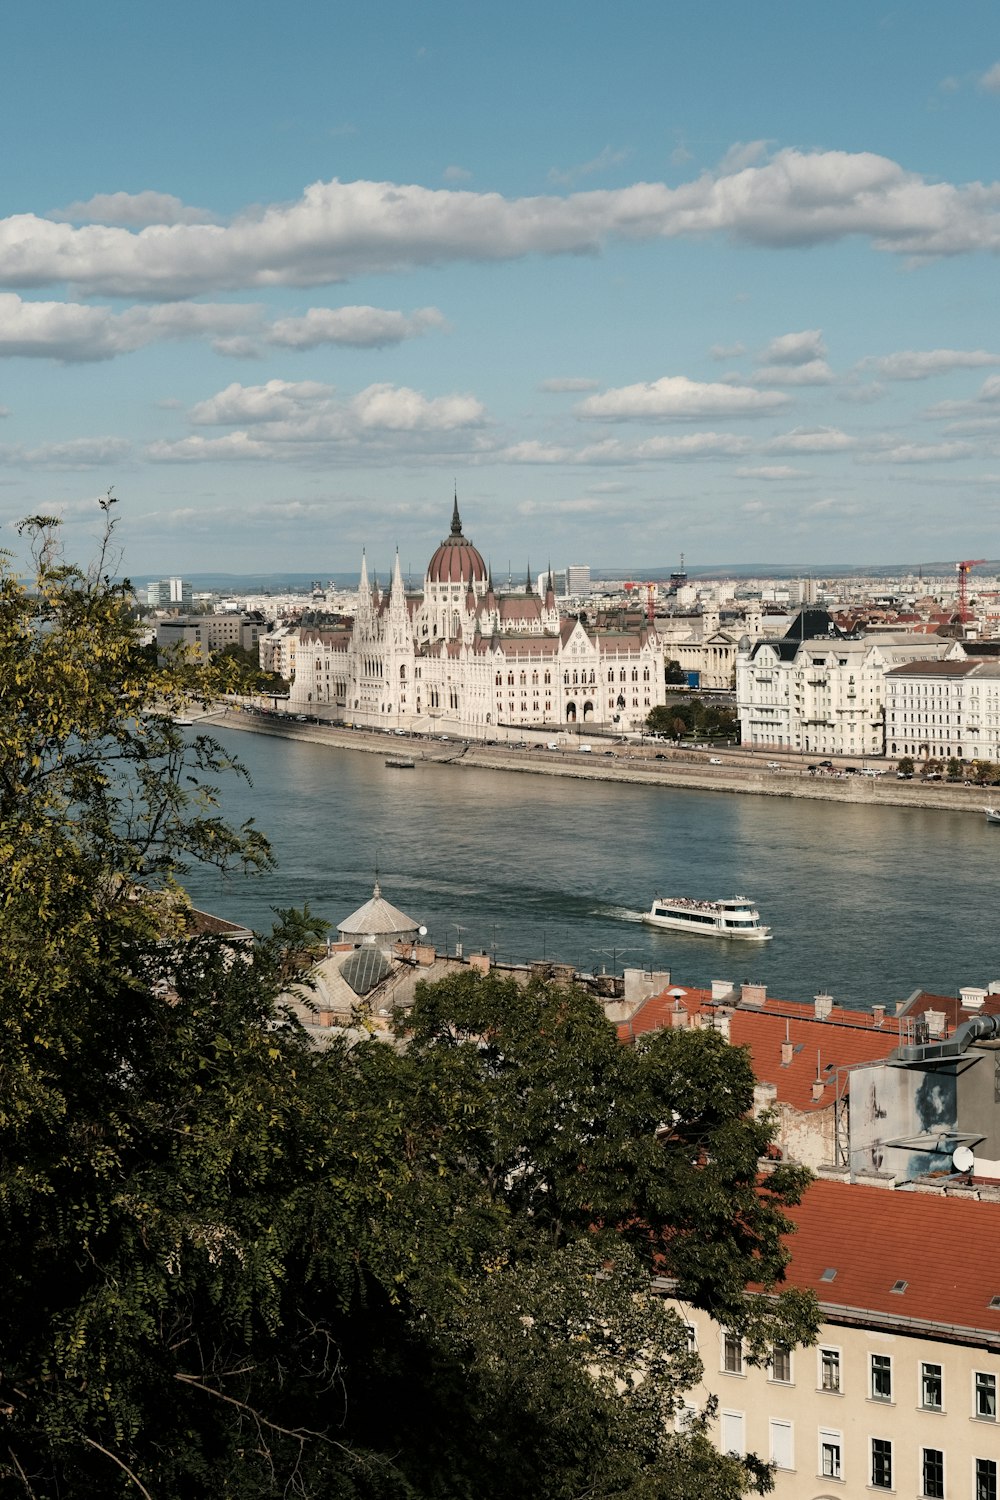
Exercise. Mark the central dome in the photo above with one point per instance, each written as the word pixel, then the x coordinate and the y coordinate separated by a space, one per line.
pixel 456 560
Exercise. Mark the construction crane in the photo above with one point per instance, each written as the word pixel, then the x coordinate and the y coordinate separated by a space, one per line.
pixel 650 596
pixel 964 569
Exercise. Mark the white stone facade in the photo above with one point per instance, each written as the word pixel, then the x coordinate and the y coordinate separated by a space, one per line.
pixel 824 694
pixel 944 710
pixel 462 659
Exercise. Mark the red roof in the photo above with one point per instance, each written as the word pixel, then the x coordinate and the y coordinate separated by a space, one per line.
pixel 942 1248
pixel 845 1038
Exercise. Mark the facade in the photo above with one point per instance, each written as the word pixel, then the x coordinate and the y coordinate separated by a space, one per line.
pixel 169 593
pixel 205 634
pixel 944 709
pixel 900 1394
pixel 463 659
pixel 821 692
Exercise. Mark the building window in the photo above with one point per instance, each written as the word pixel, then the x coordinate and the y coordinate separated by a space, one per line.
pixel 731 1439
pixel 986 1479
pixel 986 1396
pixel 932 1473
pixel 931 1387
pixel 829 1369
pixel 881 1377
pixel 881 1464
pixel 829 1454
pixel 732 1354
pixel 781 1364
pixel 782 1455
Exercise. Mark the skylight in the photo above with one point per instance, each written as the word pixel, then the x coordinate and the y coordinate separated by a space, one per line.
pixel 899 1286
pixel 830 1274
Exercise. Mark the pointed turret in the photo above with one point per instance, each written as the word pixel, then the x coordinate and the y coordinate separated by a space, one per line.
pixel 550 593
pixel 527 585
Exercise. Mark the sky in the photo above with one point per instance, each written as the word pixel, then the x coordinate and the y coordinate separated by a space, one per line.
pixel 640 280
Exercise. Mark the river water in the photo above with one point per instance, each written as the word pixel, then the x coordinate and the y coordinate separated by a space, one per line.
pixel 866 902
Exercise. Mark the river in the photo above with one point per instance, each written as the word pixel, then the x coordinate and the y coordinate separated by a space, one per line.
pixel 866 902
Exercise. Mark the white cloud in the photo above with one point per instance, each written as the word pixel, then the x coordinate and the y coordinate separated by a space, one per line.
pixel 456 174
pixel 990 80
pixel 74 331
pixel 571 383
pixel 919 453
pixel 359 327
pixel 772 471
pixel 675 398
pixel 310 422
pixel 862 395
pixel 600 163
pixel 133 210
pixel 71 331
pixel 694 445
pixel 235 447
pixel 811 440
pixel 922 364
pixel 340 229
pixel 814 372
pixel 795 348
pixel 726 351
pixel 76 453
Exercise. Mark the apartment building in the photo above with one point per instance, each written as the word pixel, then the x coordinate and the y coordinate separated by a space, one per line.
pixel 944 709
pixel 899 1395
pixel 821 692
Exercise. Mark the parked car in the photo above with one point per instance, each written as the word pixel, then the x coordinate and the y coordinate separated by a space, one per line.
pixel 715 760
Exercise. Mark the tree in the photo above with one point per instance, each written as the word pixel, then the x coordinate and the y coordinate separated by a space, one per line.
pixel 257 680
pixel 674 674
pixel 905 766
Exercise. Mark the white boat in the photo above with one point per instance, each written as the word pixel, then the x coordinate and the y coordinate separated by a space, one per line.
pixel 735 918
pixel 992 814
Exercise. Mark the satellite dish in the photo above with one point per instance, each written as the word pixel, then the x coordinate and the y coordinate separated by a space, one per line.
pixel 422 931
pixel 963 1159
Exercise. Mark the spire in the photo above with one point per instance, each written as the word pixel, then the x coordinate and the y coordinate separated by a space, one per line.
pixel 456 519
pixel 550 591
pixel 527 587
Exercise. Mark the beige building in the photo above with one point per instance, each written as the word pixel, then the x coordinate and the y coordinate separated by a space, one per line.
pixel 899 1396
pixel 821 692
pixel 944 709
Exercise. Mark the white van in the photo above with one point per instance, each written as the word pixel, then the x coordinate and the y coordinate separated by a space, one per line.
pixel 585 749
pixel 552 745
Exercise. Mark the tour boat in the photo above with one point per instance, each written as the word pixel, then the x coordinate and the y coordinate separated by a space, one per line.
pixel 735 918
pixel 399 763
pixel 992 814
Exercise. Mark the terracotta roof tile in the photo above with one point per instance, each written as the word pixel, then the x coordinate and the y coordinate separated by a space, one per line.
pixel 943 1248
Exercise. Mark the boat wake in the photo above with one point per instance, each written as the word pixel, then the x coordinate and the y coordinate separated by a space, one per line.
pixel 618 913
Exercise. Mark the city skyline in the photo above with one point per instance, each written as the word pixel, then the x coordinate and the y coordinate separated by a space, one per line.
pixel 706 281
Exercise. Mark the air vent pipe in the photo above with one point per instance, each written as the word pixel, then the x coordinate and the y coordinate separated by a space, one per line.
pixel 978 1029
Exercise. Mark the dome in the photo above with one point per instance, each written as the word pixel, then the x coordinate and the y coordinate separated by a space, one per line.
pixel 456 560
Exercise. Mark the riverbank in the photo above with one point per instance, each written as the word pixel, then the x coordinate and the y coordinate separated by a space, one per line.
pixel 739 771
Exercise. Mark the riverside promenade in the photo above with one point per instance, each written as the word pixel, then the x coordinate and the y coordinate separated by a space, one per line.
pixel 740 771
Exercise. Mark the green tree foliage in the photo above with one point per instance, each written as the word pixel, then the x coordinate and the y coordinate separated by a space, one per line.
pixel 254 676
pixel 237 1267
pixel 695 719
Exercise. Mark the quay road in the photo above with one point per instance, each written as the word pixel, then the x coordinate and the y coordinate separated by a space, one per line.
pixel 766 774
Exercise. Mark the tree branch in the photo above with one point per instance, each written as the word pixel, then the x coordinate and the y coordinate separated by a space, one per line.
pixel 121 1464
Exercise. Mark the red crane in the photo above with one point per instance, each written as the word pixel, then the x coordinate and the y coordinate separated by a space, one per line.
pixel 964 569
pixel 650 588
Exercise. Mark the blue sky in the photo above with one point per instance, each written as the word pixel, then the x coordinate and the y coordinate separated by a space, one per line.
pixel 642 279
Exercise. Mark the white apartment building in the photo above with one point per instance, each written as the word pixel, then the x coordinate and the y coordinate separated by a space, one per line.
pixel 944 709
pixel 900 1394
pixel 821 692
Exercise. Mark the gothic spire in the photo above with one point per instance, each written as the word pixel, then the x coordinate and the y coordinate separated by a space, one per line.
pixel 456 519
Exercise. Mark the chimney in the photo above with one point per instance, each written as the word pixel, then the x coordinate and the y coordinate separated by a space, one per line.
pixel 678 1016
pixel 935 1022
pixel 787 1053
pixel 721 1023
pixel 971 999
pixel 765 1097
pixel 753 994
pixel 878 1015
pixel 817 1090
pixel 994 987
pixel 722 989
pixel 823 1005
